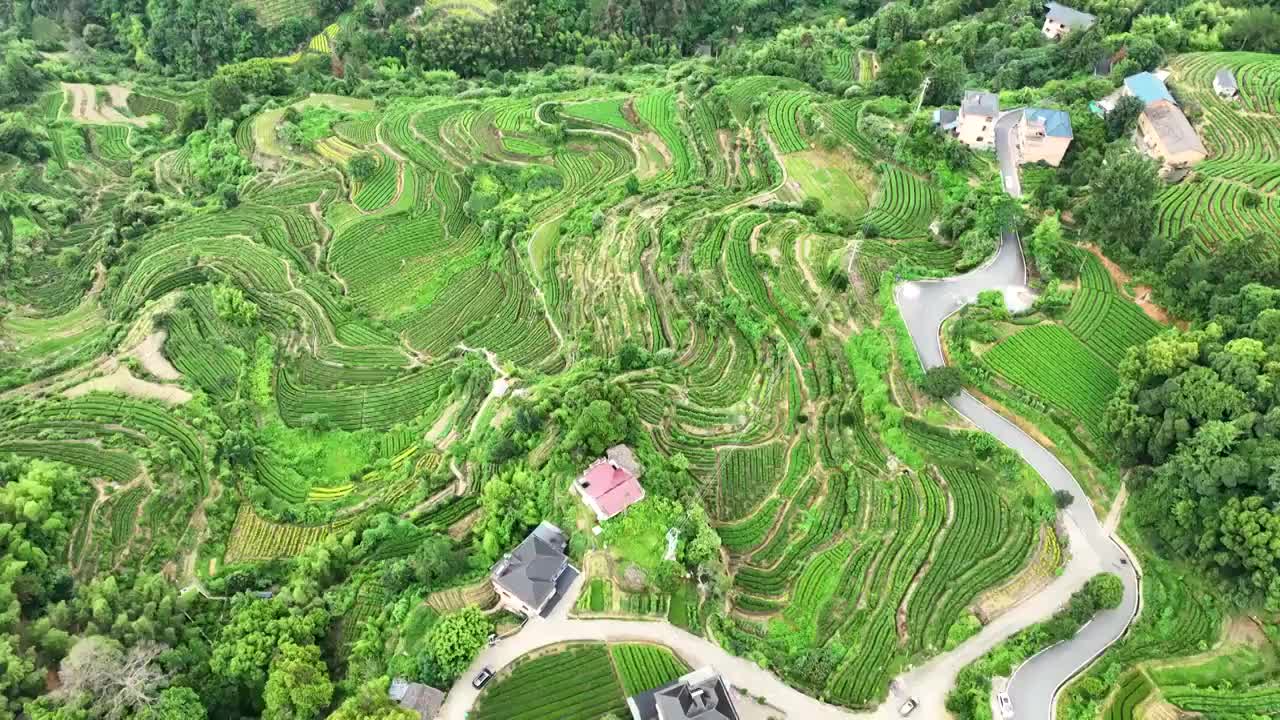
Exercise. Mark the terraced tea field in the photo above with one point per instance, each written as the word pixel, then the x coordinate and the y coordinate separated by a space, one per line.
pixel 1233 192
pixel 510 242
pixel 1072 366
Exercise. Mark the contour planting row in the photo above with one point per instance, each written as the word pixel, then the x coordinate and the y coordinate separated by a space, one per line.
pixel 986 542
pixel 1050 362
pixel 379 405
pixel 253 538
pixel 659 111
pixel 645 667
pixel 1108 324
pixel 747 475
pixel 784 120
pixel 821 527
pixel 577 683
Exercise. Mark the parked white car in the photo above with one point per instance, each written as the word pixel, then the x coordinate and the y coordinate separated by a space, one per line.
pixel 1006 706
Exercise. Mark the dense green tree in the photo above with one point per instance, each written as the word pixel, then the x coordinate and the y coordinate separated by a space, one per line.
pixel 511 506
pixel 902 73
pixel 298 685
pixel 1198 413
pixel 599 426
pixel 456 638
pixel 1120 212
pixel 362 166
pixel 1123 118
pixel 256 76
pixel 370 702
pixel 176 703
pixel 1047 249
pixel 1063 499
pixel 231 305
pixel 19 79
pixel 1196 281
pixel 253 632
pixel 436 560
pixel 943 382
pixel 1257 29
pixel 947 78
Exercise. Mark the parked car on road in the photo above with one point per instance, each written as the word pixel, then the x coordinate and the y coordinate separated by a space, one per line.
pixel 1006 706
pixel 908 707
pixel 482 677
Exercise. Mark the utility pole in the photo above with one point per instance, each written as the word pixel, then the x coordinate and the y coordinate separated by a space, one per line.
pixel 924 87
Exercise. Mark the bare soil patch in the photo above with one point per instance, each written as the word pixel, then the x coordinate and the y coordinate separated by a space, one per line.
pixel 123 381
pixel 150 354
pixel 85 108
pixel 1143 295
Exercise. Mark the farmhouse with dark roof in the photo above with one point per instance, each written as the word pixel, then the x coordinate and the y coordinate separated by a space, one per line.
pixel 699 695
pixel 529 578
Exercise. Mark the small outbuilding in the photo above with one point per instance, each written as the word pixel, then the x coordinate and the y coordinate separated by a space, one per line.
pixel 1224 84
pixel 416 697
pixel 945 119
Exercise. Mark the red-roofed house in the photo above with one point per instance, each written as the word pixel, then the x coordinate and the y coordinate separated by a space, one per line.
pixel 612 483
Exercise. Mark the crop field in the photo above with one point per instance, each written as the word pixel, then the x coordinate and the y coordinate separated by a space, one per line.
pixel 602 112
pixel 1072 366
pixel 574 684
pixel 1133 688
pixel 905 205
pixel 469 9
pixel 645 667
pixel 1242 702
pixel 253 538
pixel 1103 320
pixel 483 245
pixel 1051 362
pixel 274 12
pixel 1232 192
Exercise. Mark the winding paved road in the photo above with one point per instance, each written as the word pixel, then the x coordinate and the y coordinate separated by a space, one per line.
pixel 924 305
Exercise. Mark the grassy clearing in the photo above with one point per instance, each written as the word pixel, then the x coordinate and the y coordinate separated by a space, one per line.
pixel 838 181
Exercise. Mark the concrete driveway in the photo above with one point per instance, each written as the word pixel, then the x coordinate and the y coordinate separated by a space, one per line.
pixel 1007 152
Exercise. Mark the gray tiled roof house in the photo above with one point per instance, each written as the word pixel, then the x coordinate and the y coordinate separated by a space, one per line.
pixel 421 699
pixel 977 102
pixel 529 572
pixel 698 695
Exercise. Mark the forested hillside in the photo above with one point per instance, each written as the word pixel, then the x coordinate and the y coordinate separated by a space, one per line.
pixel 311 310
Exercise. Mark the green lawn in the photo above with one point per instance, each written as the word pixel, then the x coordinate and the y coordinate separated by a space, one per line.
pixel 604 112
pixel 832 178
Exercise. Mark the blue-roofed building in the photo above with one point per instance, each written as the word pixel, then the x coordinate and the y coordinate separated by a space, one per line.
pixel 1056 123
pixel 1043 135
pixel 1148 88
